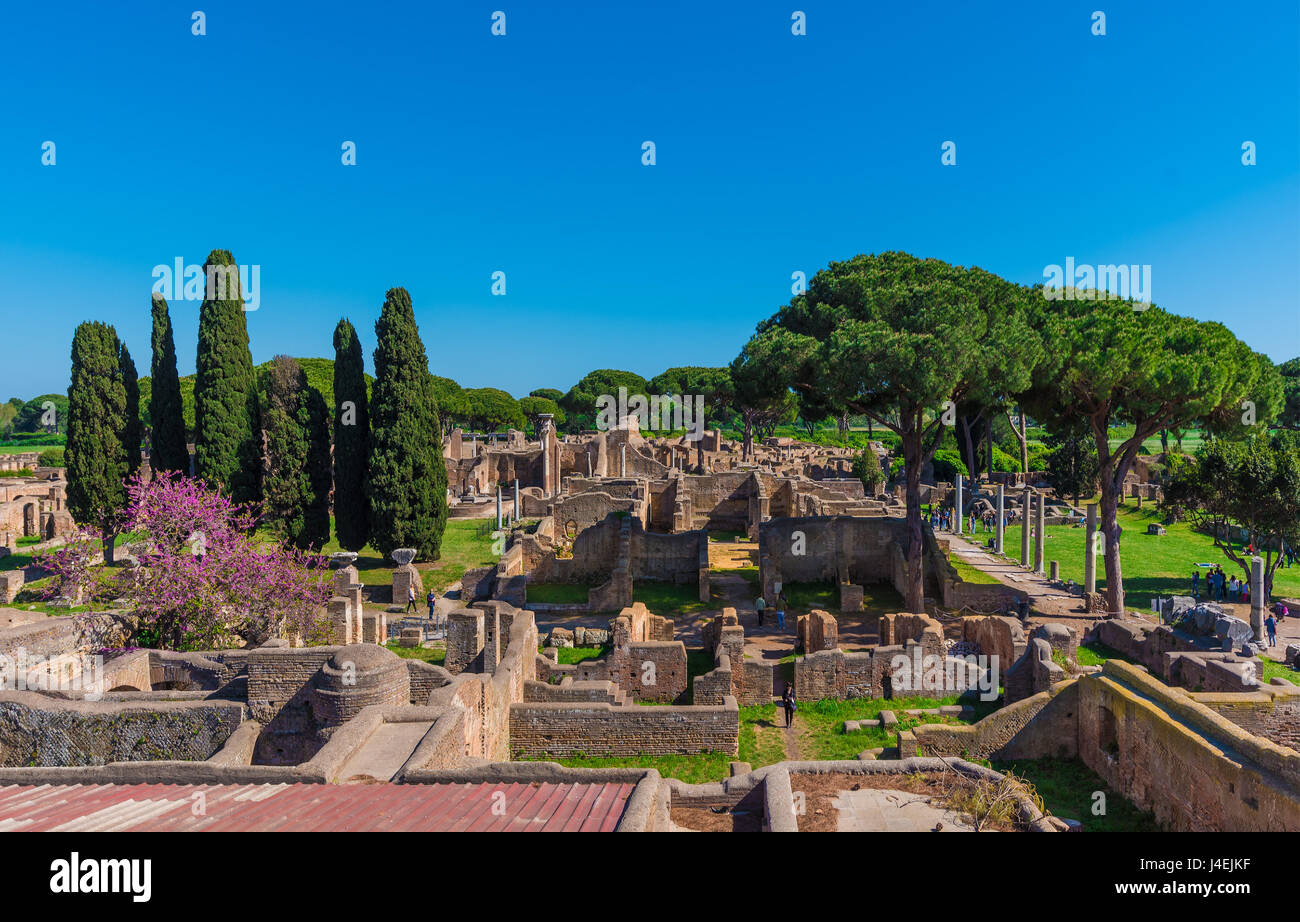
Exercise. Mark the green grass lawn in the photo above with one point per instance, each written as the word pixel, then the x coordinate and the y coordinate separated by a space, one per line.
pixel 570 656
pixel 558 593
pixel 1067 788
pixel 668 599
pixel 971 574
pixel 1153 565
pixel 466 544
pixel 435 655
pixel 823 735
pixel 1192 440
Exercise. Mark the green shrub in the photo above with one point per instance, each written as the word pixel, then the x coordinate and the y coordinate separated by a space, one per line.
pixel 948 464
pixel 51 457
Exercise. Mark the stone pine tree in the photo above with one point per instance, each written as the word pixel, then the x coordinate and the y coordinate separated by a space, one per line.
pixel 902 341
pixel 1116 362
pixel 226 451
pixel 406 480
pixel 95 456
pixel 351 440
pixel 295 482
pixel 132 428
pixel 168 451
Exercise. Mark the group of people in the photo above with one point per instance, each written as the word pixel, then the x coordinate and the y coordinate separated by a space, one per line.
pixel 760 607
pixel 1219 587
pixel 942 520
pixel 431 599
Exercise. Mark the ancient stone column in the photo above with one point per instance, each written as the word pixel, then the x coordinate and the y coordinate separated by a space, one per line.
pixel 1054 571
pixel 1040 535
pixel 1257 596
pixel 546 468
pixel 1026 510
pixel 1001 512
pixel 498 507
pixel 622 460
pixel 473 448
pixel 517 509
pixel 1089 552
pixel 956 504
pixel 589 463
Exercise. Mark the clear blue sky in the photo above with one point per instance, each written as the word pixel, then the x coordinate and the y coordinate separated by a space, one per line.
pixel 522 153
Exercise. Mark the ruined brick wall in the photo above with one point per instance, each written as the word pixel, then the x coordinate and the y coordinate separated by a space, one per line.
pixel 995 635
pixel 817 631
pixel 279 675
pixel 651 670
pixel 1040 727
pixel 834 674
pixel 1194 768
pixel 667 558
pixel 1273 712
pixel 39 731
pixel 539 730
pixel 425 679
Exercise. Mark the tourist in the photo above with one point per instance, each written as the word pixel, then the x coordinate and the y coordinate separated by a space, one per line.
pixel 1232 589
pixel 1196 583
pixel 780 610
pixel 759 605
pixel 432 597
pixel 788 702
pixel 410 597
pixel 1271 624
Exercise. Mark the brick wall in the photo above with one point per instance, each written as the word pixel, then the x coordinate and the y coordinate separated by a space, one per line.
pixel 566 729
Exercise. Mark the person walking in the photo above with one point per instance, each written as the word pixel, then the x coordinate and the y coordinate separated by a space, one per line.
pixel 760 604
pixel 789 704
pixel 1196 584
pixel 1271 624
pixel 410 597
pixel 780 610
pixel 431 598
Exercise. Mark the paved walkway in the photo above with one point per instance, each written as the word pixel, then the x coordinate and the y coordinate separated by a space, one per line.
pixel 871 810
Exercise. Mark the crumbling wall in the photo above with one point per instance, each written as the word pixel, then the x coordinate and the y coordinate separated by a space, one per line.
pixel 565 729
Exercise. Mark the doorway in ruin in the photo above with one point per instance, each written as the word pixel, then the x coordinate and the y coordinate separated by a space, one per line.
pixel 29 520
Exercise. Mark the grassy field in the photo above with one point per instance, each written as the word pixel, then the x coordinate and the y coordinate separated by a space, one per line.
pixel 1153 565
pixel 668 599
pixel 558 593
pixel 435 655
pixel 821 724
pixel 1068 788
pixel 466 544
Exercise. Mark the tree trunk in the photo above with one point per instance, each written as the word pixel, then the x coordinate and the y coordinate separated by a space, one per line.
pixel 842 423
pixel 968 447
pixel 748 443
pixel 1019 433
pixel 1110 528
pixel 110 536
pixel 914 596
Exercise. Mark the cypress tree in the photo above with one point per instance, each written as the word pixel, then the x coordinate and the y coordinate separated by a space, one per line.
pixel 296 482
pixel 132 428
pixel 166 412
pixel 406 479
pixel 351 440
pixel 226 453
pixel 95 457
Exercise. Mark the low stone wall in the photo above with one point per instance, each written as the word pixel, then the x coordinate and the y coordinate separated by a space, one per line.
pixel 569 730
pixel 1027 729
pixel 1173 755
pixel 1272 712
pixel 37 730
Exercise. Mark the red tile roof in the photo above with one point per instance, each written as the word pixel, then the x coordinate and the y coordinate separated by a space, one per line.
pixel 515 807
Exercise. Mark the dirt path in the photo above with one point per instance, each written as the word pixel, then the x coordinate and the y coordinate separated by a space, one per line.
pixel 791 738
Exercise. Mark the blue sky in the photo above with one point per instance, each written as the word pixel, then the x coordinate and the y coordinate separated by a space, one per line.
pixel 522 153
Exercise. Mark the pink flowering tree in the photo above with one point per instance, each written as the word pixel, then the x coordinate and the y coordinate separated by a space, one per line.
pixel 205 582
pixel 71 568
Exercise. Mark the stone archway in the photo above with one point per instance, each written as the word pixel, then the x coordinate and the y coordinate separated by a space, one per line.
pixel 31 525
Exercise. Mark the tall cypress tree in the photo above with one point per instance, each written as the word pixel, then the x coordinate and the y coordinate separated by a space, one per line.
pixel 406 480
pixel 351 439
pixel 227 452
pixel 297 481
pixel 166 412
pixel 95 457
pixel 132 428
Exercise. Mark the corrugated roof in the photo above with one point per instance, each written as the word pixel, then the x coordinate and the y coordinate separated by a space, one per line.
pixel 515 807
